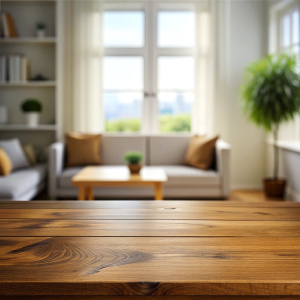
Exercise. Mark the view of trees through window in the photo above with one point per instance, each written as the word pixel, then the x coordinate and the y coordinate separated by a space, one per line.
pixel 174 115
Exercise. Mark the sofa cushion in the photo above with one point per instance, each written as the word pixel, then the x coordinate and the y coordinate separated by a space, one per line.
pixel 5 163
pixel 115 146
pixel 83 149
pixel 21 181
pixel 200 152
pixel 168 150
pixel 15 152
pixel 184 175
pixel 65 179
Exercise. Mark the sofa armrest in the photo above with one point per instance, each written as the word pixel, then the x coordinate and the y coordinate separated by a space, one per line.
pixel 223 165
pixel 56 166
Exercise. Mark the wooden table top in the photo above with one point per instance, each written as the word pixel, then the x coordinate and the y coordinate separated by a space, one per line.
pixel 193 249
pixel 119 174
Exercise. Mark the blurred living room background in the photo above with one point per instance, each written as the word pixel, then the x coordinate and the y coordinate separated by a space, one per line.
pixel 147 75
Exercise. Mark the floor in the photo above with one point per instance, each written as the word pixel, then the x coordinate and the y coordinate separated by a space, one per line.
pixel 236 195
pixel 250 196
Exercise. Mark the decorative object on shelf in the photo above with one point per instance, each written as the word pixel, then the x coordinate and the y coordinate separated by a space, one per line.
pixel 133 160
pixel 40 29
pixel 3 114
pixel 39 77
pixel 32 109
pixel 8 26
pixel 272 96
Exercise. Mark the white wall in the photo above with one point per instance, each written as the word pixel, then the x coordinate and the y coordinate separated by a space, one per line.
pixel 247 43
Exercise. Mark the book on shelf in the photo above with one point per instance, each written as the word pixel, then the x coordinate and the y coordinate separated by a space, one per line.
pixel 8 28
pixel 14 68
pixel 3 69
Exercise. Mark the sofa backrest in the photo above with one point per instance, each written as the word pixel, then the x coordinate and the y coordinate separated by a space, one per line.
pixel 113 147
pixel 167 150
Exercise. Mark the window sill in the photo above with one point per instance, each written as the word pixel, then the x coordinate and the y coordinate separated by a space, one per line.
pixel 293 146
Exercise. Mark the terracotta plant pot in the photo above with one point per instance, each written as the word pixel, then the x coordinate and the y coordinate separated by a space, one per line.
pixel 274 187
pixel 135 168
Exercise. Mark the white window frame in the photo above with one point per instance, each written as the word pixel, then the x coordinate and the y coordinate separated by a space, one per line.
pixel 277 12
pixel 150 55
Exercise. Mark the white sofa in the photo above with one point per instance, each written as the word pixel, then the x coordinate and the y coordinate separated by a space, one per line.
pixel 23 184
pixel 165 151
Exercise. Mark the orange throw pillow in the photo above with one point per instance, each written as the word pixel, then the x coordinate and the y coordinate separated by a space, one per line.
pixel 200 152
pixel 5 163
pixel 83 149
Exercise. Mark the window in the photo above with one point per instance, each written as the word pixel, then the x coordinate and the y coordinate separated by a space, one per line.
pixel 123 86
pixel 285 37
pixel 290 30
pixel 150 67
pixel 175 92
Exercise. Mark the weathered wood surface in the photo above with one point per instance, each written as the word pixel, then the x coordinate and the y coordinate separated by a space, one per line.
pixel 148 297
pixel 158 213
pixel 147 228
pixel 145 204
pixel 173 249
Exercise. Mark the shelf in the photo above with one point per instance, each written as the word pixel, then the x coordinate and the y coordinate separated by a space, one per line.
pixel 21 127
pixel 24 1
pixel 28 40
pixel 30 84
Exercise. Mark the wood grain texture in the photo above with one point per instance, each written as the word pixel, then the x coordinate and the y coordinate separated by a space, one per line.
pixel 74 297
pixel 158 228
pixel 141 204
pixel 153 249
pixel 159 213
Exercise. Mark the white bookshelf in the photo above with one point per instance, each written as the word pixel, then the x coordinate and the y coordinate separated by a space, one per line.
pixel 29 84
pixel 42 54
pixel 22 127
pixel 28 40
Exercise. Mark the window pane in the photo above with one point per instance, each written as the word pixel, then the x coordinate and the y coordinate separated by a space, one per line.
pixel 123 73
pixel 175 111
pixel 296 27
pixel 176 29
pixel 124 29
pixel 176 73
pixel 286 31
pixel 123 111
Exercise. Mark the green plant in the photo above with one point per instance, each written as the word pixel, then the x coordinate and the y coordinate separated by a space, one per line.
pixel 272 94
pixel 175 123
pixel 167 123
pixel 40 26
pixel 123 125
pixel 31 105
pixel 133 158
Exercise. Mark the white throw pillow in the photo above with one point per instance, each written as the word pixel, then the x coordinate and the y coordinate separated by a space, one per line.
pixel 15 152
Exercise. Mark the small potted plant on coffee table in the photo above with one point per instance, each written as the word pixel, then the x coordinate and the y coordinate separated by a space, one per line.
pixel 133 160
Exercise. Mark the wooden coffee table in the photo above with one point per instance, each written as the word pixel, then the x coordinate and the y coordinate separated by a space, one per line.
pixel 115 176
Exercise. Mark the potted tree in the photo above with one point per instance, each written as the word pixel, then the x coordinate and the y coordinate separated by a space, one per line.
pixel 271 96
pixel 32 109
pixel 134 160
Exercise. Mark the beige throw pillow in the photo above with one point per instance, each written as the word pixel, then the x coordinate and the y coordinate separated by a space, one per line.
pixel 5 163
pixel 30 153
pixel 200 152
pixel 83 149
